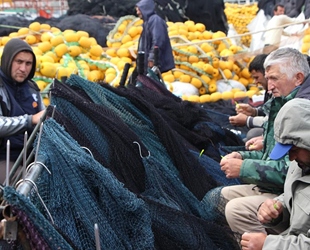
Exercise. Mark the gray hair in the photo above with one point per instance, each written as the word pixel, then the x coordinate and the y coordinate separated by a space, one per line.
pixel 291 62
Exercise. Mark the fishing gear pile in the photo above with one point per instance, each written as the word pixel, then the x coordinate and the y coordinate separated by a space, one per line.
pixel 122 158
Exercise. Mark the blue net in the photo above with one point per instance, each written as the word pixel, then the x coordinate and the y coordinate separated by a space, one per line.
pixel 80 192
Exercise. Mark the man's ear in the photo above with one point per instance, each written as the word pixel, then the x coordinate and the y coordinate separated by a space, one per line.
pixel 300 77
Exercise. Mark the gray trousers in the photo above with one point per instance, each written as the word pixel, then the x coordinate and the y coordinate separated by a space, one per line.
pixel 241 208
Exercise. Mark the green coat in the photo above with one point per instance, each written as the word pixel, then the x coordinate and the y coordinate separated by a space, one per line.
pixel 257 168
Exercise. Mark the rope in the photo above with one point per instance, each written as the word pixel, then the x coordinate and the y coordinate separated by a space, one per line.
pixel 194 75
pixel 119 22
pixel 240 35
pixel 16 27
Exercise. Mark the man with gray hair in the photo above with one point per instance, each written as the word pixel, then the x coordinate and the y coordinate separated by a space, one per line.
pixel 289 212
pixel 287 73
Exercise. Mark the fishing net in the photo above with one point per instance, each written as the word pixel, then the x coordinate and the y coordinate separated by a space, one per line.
pixel 178 230
pixel 194 125
pixel 154 132
pixel 137 153
pixel 40 233
pixel 152 83
pixel 107 133
pixel 212 167
pixel 80 192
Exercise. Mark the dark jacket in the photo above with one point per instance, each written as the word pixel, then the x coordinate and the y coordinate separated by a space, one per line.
pixel 18 101
pixel 154 34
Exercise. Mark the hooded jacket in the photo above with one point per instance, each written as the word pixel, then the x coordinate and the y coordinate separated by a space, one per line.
pixel 18 101
pixel 154 34
pixel 294 222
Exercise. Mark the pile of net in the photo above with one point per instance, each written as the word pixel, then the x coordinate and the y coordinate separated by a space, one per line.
pixel 210 13
pixel 131 160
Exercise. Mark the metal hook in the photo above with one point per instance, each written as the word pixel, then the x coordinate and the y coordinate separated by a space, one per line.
pixel 7 162
pixel 38 162
pixel 53 113
pixel 88 150
pixel 96 228
pixel 25 154
pixel 140 151
pixel 45 207
pixel 56 73
pixel 38 144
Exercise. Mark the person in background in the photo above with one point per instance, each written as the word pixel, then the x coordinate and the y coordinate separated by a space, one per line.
pixel 278 9
pixel 273 34
pixel 154 34
pixel 287 74
pixel 249 116
pixel 288 213
pixel 21 105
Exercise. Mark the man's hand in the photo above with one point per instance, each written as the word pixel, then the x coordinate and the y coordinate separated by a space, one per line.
pixel 231 167
pixel 253 241
pixel 269 210
pixel 238 120
pixel 233 155
pixel 256 143
pixel 245 109
pixel 37 116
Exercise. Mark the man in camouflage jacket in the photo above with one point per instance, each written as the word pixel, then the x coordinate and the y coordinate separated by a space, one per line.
pixel 287 73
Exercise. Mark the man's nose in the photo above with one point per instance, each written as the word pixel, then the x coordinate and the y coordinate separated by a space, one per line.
pixel 270 85
pixel 22 67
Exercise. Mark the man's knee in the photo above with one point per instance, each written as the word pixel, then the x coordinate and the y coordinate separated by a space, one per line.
pixel 224 192
pixel 233 211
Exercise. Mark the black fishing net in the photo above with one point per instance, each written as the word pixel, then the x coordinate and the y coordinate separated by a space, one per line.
pixel 177 230
pixel 195 124
pixel 210 13
pixel 157 132
pixel 107 133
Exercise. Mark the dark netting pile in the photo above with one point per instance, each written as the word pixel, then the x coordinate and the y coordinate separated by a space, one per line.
pixel 131 160
pixel 210 13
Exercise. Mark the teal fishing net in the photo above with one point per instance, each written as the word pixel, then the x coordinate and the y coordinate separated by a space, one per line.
pixel 38 229
pixel 80 192
pixel 165 146
pixel 144 187
pixel 137 121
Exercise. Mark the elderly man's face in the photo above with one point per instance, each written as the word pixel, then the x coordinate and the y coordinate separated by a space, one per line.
pixel 21 66
pixel 278 83
pixel 138 12
pixel 301 156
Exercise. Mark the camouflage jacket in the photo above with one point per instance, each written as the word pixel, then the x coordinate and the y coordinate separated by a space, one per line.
pixel 257 168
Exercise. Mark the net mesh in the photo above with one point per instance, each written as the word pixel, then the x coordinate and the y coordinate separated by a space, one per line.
pixel 159 138
pixel 137 179
pixel 80 192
